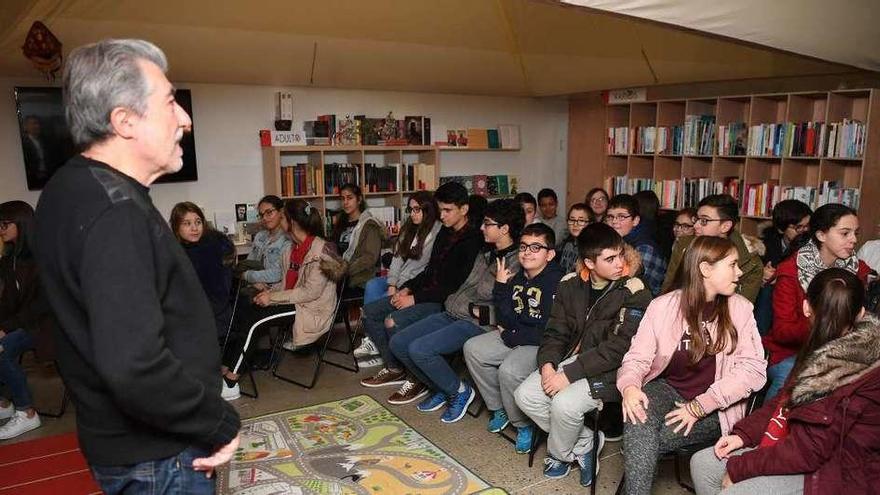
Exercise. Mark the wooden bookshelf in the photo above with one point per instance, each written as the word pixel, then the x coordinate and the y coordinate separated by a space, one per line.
pixel 276 158
pixel 777 167
pixel 467 148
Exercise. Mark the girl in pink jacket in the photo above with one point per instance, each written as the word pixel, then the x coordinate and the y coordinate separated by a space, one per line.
pixel 693 363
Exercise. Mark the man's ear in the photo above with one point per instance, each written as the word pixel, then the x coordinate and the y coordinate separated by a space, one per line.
pixel 636 220
pixel 726 226
pixel 590 264
pixel 122 121
pixel 551 253
pixel 808 311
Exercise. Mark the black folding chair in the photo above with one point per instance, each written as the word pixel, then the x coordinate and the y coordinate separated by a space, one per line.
pixel 282 319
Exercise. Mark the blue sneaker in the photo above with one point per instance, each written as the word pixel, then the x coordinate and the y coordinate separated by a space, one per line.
pixel 588 471
pixel 458 405
pixel 554 468
pixel 525 435
pixel 498 421
pixel 433 402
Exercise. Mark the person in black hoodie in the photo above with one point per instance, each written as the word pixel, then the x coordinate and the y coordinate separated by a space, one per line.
pixel 20 315
pixel 501 359
pixel 137 347
pixel 212 255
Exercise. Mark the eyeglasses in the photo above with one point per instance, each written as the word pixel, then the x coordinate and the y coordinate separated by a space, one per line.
pixel 532 248
pixel 4 224
pixel 413 209
pixel 800 229
pixel 487 223
pixel 616 218
pixel 267 212
pixel 705 220
pixel 682 225
pixel 599 199
pixel 577 221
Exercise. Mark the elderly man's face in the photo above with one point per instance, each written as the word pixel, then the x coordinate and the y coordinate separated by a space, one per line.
pixel 161 128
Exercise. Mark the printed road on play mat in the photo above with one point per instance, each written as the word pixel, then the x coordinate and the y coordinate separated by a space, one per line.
pixel 350 446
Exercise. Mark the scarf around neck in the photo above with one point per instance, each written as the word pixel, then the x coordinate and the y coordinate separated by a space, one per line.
pixel 809 263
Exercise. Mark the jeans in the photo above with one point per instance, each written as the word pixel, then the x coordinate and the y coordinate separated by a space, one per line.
pixel 422 345
pixel 778 374
pixel 376 289
pixel 14 344
pixel 374 324
pixel 171 475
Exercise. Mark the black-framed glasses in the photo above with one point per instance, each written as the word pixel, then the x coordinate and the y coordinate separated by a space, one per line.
pixel 532 248
pixel 616 218
pixel 577 221
pixel 489 223
pixel 800 229
pixel 682 225
pixel 4 224
pixel 413 209
pixel 267 212
pixel 706 220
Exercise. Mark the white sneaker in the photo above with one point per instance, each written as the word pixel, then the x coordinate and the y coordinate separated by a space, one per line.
pixel 7 412
pixel 230 393
pixel 20 423
pixel 372 362
pixel 289 345
pixel 366 349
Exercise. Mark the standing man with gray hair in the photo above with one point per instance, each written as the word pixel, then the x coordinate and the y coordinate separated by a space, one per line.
pixel 137 344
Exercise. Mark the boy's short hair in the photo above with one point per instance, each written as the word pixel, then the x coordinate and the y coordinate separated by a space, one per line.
pixel 596 238
pixel 547 193
pixel 789 212
pixel 541 230
pixel 724 204
pixel 507 212
pixel 525 197
pixel 452 193
pixel 627 202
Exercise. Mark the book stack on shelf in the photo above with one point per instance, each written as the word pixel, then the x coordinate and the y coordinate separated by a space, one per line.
pixel 846 139
pixel 644 140
pixel 485 185
pixel 669 193
pixel 504 137
pixel 338 174
pixel 418 177
pixel 697 188
pixel 624 185
pixel 381 178
pixel 699 135
pixel 618 140
pixel 759 199
pixel 805 194
pixel 767 139
pixel 302 179
pixel 670 140
pixel 732 139
pixel 833 192
pixel 389 217
pixel 805 139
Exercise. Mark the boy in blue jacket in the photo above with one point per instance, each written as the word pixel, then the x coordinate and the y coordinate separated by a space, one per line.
pixel 501 359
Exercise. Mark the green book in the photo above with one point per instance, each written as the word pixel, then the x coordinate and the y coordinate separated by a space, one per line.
pixel 494 140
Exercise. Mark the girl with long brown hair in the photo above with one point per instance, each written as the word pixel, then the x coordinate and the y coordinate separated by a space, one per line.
pixel 692 365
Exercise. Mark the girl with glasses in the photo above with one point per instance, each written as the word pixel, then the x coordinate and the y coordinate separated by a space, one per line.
pixel 597 200
pixel 579 216
pixel 684 222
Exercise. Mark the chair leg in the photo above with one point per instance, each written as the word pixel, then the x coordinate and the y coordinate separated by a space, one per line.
pixel 595 453
pixel 678 474
pixel 620 485
pixel 317 359
pixel 350 336
pixel 250 373
pixel 537 440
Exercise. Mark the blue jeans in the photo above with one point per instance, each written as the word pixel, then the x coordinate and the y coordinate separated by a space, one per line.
pixel 374 323
pixel 422 345
pixel 777 375
pixel 171 475
pixel 14 344
pixel 376 289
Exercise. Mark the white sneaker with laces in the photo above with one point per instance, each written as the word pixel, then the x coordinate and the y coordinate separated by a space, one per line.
pixel 289 345
pixel 372 362
pixel 230 393
pixel 20 423
pixel 366 349
pixel 7 412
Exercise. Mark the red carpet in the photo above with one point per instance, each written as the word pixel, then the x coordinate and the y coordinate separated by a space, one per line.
pixel 51 465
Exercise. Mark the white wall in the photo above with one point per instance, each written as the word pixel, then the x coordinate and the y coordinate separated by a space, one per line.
pixel 227 119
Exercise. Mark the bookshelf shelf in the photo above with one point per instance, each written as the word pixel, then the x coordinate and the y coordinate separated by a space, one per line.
pixel 465 148
pixel 798 127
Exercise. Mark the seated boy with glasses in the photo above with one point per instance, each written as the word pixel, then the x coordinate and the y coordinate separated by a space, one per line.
pixel 718 215
pixel 422 347
pixel 594 316
pixel 623 216
pixel 499 360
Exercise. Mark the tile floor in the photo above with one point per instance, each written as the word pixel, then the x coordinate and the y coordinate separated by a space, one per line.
pixel 488 455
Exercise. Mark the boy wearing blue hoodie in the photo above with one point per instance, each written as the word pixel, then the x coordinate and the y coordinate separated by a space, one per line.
pixel 501 359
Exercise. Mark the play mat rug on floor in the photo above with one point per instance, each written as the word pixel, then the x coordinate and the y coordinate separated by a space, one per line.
pixel 350 446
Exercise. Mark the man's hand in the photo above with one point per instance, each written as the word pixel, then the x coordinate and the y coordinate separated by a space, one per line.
pixel 391 290
pixel 556 383
pixel 402 301
pixel 547 372
pixel 260 286
pixel 502 274
pixel 727 444
pixel 635 403
pixel 221 456
pixel 769 273
pixel 262 299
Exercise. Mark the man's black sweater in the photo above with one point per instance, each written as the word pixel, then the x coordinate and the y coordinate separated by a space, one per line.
pixel 452 259
pixel 137 345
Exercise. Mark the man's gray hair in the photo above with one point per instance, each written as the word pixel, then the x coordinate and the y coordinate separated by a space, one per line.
pixel 102 76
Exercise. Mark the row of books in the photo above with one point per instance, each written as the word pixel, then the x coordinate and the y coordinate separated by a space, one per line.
pixel 617 141
pixel 485 185
pixel 670 140
pixel 697 188
pixel 644 139
pixel 834 192
pixel 760 198
pixel 338 174
pixel 846 139
pixel 622 184
pixel 302 179
pixel 418 177
pixel 381 178
pixel 411 130
pixel 732 139
pixel 699 134
pixel 504 137
pixel 675 193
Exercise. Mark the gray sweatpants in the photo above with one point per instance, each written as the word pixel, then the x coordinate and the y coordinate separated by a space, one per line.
pixel 561 416
pixel 644 443
pixel 497 370
pixel 707 471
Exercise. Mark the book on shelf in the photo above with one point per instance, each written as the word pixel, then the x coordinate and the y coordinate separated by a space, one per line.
pixel 697 188
pixel 418 177
pixel 478 138
pixel 668 192
pixel 732 139
pixel 805 194
pixel 670 140
pixel 699 134
pixel 417 130
pixel 338 174
pixel 381 178
pixel 302 179
pixel 330 121
pixel 617 142
pixel 389 217
pixel 846 139
pixel 833 192
pixel 643 139
pixel 760 198
pixel 804 139
pixel 482 185
pixel 508 135
pixel 622 184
